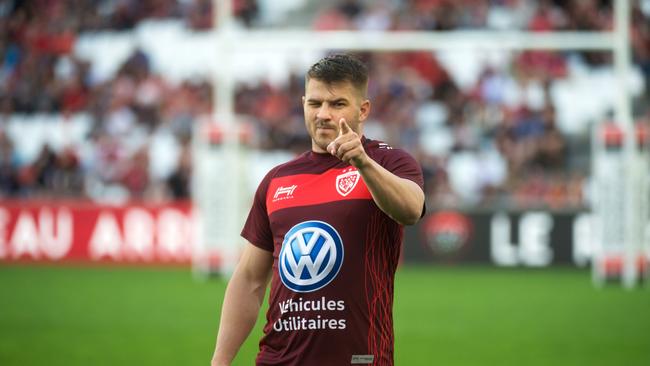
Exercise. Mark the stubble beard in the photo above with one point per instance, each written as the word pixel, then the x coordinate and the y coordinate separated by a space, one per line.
pixel 322 141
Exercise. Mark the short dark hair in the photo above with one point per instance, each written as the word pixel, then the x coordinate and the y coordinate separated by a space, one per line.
pixel 338 68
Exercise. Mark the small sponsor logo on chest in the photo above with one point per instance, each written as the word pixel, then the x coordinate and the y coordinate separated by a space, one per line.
pixel 284 193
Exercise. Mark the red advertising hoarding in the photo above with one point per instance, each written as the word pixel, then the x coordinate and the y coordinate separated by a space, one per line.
pixel 72 231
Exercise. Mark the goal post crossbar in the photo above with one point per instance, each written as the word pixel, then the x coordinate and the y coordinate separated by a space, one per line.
pixel 419 40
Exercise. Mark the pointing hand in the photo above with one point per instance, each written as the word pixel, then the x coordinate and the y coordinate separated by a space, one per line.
pixel 347 146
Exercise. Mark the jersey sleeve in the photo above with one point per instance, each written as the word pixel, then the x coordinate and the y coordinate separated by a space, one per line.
pixel 257 229
pixel 403 165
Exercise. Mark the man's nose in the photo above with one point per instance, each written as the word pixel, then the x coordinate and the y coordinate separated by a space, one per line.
pixel 324 113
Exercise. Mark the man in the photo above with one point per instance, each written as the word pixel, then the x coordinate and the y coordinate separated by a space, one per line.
pixel 326 228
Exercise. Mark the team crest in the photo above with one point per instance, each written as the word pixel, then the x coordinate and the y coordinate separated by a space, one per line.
pixel 346 182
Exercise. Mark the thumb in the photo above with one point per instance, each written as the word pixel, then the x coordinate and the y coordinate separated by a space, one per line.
pixel 344 128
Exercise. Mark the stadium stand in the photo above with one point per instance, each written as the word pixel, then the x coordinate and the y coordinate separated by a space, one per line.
pixel 91 91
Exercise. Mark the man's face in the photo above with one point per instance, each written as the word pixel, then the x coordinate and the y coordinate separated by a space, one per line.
pixel 325 104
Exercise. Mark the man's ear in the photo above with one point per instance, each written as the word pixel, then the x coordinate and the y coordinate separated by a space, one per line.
pixel 364 110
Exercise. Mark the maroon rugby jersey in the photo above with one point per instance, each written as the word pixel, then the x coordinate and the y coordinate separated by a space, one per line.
pixel 335 255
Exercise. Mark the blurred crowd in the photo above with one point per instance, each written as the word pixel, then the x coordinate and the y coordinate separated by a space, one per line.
pixel 495 142
pixel 498 142
pixel 511 149
pixel 40 74
pixel 466 14
pixel 533 15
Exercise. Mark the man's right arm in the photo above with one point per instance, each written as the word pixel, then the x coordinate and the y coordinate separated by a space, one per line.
pixel 242 302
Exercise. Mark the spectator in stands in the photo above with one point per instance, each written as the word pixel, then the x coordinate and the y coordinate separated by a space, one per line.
pixel 38 177
pixel 640 35
pixel 67 177
pixel 9 184
pixel 178 182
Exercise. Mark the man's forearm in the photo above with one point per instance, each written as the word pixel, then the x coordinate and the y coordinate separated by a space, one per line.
pixel 240 309
pixel 399 198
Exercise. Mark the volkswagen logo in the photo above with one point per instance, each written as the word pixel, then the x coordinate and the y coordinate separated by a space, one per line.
pixel 311 256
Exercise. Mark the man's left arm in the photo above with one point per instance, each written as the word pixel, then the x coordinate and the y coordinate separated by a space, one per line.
pixel 399 198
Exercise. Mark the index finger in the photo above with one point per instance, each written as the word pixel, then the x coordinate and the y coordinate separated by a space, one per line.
pixel 343 127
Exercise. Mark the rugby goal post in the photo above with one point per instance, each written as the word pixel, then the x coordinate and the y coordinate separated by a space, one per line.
pixel 218 236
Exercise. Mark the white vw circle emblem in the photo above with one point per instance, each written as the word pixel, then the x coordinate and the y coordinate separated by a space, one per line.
pixel 311 256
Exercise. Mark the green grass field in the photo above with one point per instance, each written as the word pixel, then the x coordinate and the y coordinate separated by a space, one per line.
pixel 443 316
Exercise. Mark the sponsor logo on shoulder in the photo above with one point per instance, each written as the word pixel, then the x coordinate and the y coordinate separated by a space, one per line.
pixel 284 193
pixel 346 181
pixel 383 145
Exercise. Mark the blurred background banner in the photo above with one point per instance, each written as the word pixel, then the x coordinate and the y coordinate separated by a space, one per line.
pixel 150 103
pixel 85 232
pixel 523 238
pixel 73 232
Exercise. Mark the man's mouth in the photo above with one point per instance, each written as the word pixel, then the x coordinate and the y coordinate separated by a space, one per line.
pixel 325 127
